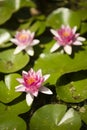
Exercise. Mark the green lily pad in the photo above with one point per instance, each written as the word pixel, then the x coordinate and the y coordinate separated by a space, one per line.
pixel 17 108
pixel 7 89
pixel 83 28
pixel 4 36
pixel 25 3
pixel 55 117
pixel 75 91
pixel 4 14
pixel 57 64
pixel 12 63
pixel 82 13
pixel 63 16
pixel 83 113
pixel 8 7
pixel 9 121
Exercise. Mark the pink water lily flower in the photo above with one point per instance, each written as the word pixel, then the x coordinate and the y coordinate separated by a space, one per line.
pixel 31 83
pixel 66 37
pixel 25 41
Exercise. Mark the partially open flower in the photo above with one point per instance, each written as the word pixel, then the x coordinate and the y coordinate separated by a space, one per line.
pixel 66 37
pixel 31 83
pixel 24 41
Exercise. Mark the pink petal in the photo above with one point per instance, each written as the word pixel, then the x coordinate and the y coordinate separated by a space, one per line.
pixel 30 51
pixel 20 88
pixel 77 43
pixel 15 41
pixel 24 72
pixel 55 33
pixel 35 94
pixel 45 90
pixel 39 72
pixel 32 34
pixel 68 49
pixel 18 49
pixel 35 42
pixel 63 26
pixel 55 47
pixel 23 31
pixel 46 77
pixel 81 39
pixel 74 29
pixel 29 99
pixel 20 80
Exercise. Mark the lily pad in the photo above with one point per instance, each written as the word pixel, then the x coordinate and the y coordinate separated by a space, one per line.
pixel 8 7
pixel 55 117
pixel 4 36
pixel 57 64
pixel 9 121
pixel 12 63
pixel 63 16
pixel 38 28
pixel 83 28
pixel 7 89
pixel 83 113
pixel 75 91
pixel 82 13
pixel 17 108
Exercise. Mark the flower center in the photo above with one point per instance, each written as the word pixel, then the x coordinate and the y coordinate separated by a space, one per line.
pixel 30 80
pixel 23 37
pixel 66 34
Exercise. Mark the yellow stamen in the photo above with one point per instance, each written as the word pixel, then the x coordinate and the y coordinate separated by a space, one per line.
pixel 66 34
pixel 23 37
pixel 30 80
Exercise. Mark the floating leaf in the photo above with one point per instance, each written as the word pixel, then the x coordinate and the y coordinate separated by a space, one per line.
pixel 7 91
pixel 10 62
pixel 57 64
pixel 55 117
pixel 83 28
pixel 17 108
pixel 75 91
pixel 26 3
pixel 4 36
pixel 9 121
pixel 82 13
pixel 38 28
pixel 63 16
pixel 83 113
pixel 8 7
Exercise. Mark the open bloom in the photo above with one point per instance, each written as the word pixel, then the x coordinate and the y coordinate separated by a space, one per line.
pixel 66 37
pixel 31 83
pixel 24 41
